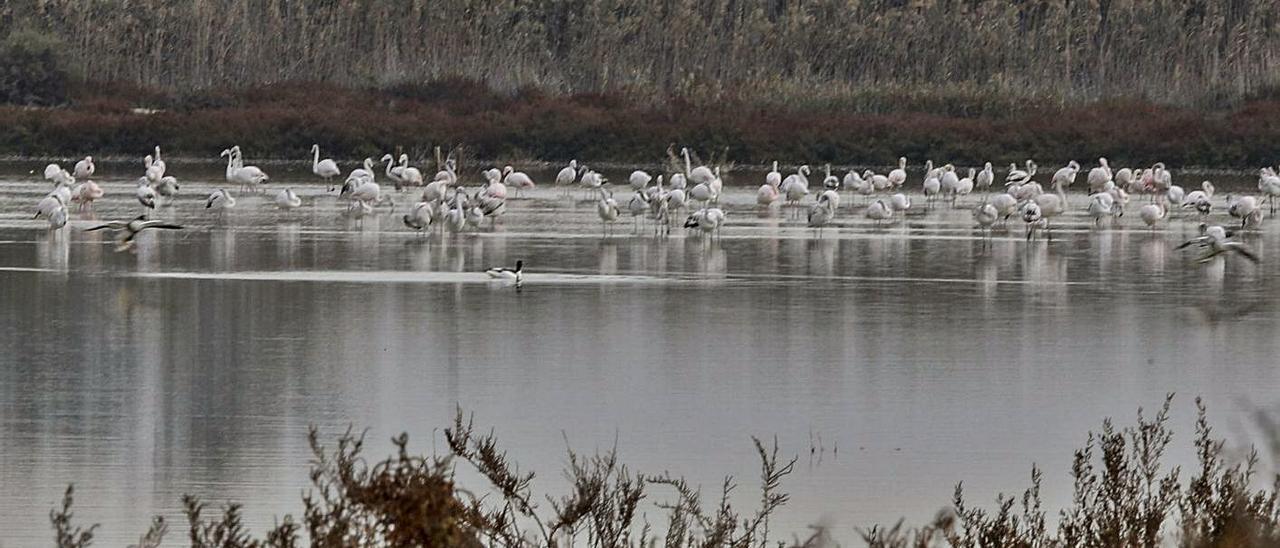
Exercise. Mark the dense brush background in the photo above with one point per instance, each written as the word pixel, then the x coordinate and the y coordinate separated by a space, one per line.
pixel 786 50
pixel 632 72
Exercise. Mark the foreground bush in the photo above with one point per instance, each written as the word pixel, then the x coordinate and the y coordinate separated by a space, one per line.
pixel 1124 496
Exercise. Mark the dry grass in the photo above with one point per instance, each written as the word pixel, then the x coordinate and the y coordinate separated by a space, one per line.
pixel 1175 51
pixel 1124 495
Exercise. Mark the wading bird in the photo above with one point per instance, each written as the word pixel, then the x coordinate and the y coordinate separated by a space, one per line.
pixel 128 230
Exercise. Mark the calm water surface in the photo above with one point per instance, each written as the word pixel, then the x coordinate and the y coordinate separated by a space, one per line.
pixel 919 355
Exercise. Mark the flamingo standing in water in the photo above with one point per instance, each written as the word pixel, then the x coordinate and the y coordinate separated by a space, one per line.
pixel 607 210
pixel 326 169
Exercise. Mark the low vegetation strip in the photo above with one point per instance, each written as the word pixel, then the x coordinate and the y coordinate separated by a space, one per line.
pixel 284 120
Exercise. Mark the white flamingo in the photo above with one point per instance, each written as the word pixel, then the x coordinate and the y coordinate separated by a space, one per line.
pixel 1099 176
pixel 84 168
pixel 220 200
pixel 1066 176
pixel 145 194
pixel 1216 240
pixel 879 212
pixel 1246 208
pixel 899 176
pixel 773 177
pixel 287 200
pixel 1269 185
pixel 86 193
pixel 700 174
pixel 325 169
pixel 821 213
pixel 410 175
pixel 985 178
pixel 420 216
pixel 607 210
pixel 1151 214
pixel 639 179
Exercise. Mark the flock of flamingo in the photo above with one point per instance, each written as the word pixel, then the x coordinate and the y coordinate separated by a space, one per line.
pixel 693 192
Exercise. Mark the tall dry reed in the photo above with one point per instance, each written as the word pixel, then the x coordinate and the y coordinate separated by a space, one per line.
pixel 860 53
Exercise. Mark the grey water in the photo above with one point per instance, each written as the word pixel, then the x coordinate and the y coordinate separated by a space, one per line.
pixel 894 361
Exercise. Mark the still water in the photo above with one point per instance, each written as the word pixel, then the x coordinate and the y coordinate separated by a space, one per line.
pixel 915 355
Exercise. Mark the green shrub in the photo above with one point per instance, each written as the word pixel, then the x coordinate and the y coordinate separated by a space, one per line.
pixel 31 69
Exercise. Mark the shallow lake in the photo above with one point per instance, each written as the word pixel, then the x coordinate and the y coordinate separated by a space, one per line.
pixel 915 355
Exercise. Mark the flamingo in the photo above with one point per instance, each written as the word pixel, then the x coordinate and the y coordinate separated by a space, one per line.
pixel 1269 184
pixel 84 168
pixel 85 193
pixel 900 203
pixel 879 211
pixel 950 182
pixel 769 193
pixel 774 177
pixel 159 163
pixel 286 200
pixel 489 207
pixel 1099 176
pixel 796 186
pixel 963 187
pixel 456 217
pixel 168 187
pixel 1066 175
pixel 517 179
pixel 607 210
pixel 637 206
pixel 1005 204
pixel 879 182
pixel 326 169
pixel 145 194
pixel 830 182
pixel 448 175
pixel 46 206
pixel 708 220
pixel 821 213
pixel 1153 213
pixel 1246 209
pixel 394 172
pixel 700 174
pixel 153 171
pixel 1031 215
pixel 1051 204
pixel 420 216
pixel 985 178
pixel 58 218
pixel 1102 205
pixel 220 200
pixel 932 187
pixel 409 175
pixel 639 179
pixel 899 176
pixel 1175 194
pixel 985 215
pixel 1216 240
pixel 128 230
pixel 496 190
pixel 237 172
pixel 52 172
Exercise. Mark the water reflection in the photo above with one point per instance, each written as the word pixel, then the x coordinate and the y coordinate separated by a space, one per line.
pixel 931 355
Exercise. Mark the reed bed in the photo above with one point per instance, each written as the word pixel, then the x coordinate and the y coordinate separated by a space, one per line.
pixel 859 54
pixel 1124 495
